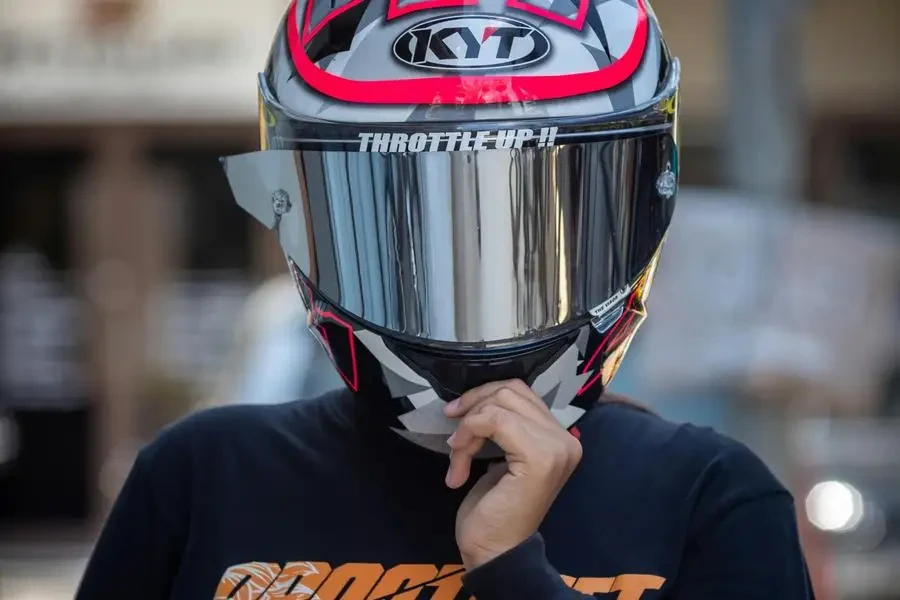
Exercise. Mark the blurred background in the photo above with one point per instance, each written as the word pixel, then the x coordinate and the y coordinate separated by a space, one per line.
pixel 133 291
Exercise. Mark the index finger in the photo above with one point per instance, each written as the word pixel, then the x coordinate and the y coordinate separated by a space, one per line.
pixel 475 396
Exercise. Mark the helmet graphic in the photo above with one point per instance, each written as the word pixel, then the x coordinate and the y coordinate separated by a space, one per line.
pixel 467 191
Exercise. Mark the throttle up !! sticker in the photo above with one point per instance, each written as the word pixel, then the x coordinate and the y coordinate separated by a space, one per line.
pixel 457 141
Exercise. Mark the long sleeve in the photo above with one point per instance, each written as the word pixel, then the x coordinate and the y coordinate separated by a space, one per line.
pixel 138 552
pixel 522 573
pixel 751 553
pixel 741 542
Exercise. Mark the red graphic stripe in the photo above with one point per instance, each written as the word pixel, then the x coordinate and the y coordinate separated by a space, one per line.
pixel 395 10
pixel 576 23
pixel 614 336
pixel 614 330
pixel 592 381
pixel 354 383
pixel 488 32
pixel 351 340
pixel 309 33
pixel 468 90
pixel 622 334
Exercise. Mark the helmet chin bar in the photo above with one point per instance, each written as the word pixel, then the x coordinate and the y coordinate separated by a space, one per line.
pixel 569 371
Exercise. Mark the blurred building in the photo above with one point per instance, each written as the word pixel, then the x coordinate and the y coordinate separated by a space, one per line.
pixel 124 263
pixel 123 260
pixel 849 97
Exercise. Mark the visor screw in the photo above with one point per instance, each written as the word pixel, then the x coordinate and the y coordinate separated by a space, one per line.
pixel 667 183
pixel 281 202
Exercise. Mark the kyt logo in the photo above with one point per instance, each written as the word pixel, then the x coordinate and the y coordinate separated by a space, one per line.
pixel 471 43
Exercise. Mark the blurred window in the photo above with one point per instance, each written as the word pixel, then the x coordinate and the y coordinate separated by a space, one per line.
pixel 854 163
pixel 41 362
pixel 701 165
pixel 197 312
pixel 700 155
pixel 33 200
pixel 216 230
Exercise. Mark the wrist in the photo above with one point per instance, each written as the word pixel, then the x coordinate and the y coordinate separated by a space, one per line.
pixel 522 572
pixel 472 558
pixel 472 561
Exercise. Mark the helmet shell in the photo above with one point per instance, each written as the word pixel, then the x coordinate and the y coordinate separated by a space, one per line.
pixel 387 61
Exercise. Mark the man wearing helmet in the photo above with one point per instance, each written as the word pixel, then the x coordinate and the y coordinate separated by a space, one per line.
pixel 471 196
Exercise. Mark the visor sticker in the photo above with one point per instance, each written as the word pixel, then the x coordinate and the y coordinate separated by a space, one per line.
pixel 667 183
pixel 457 141
pixel 601 309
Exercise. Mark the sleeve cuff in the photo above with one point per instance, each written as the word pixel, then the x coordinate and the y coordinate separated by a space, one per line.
pixel 522 573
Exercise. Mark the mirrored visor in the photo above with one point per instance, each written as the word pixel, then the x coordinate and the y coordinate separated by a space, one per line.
pixel 467 246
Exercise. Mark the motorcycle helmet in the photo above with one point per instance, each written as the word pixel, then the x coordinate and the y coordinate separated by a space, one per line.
pixel 467 191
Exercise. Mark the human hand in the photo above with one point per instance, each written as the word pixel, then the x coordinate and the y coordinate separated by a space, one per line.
pixel 507 505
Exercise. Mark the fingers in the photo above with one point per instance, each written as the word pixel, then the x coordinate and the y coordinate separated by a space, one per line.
pixel 461 463
pixel 471 435
pixel 510 388
pixel 516 419
pixel 504 398
pixel 508 429
pixel 543 449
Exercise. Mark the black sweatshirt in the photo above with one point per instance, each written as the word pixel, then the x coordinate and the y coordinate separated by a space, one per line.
pixel 311 500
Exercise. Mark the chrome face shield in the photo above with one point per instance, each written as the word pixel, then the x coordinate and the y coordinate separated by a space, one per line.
pixel 480 244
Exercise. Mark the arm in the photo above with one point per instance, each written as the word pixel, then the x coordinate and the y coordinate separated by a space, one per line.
pixel 138 553
pixel 752 552
pixel 497 522
pixel 522 573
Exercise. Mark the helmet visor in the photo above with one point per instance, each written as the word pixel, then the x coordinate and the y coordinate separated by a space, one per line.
pixel 467 246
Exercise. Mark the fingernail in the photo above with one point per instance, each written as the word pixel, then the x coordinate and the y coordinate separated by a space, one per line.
pixel 447 478
pixel 451 438
pixel 451 406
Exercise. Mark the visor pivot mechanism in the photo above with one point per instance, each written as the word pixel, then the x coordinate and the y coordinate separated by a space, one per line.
pixel 667 183
pixel 281 205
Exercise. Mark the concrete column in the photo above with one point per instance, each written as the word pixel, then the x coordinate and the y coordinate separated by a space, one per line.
pixel 122 228
pixel 766 146
pixel 766 126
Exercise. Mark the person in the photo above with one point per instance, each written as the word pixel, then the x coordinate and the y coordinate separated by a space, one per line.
pixel 471 198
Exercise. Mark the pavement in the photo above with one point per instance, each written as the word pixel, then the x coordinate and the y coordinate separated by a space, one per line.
pixel 41 569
